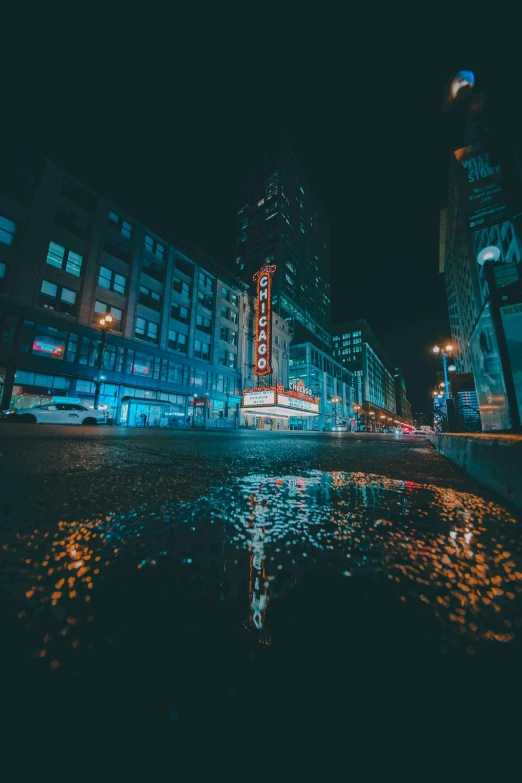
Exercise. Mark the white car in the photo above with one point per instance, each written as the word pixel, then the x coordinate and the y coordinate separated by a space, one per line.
pixel 56 413
pixel 420 432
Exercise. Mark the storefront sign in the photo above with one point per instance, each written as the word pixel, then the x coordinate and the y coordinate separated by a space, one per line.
pixel 263 320
pixel 298 404
pixel 140 369
pixel 48 346
pixel 258 397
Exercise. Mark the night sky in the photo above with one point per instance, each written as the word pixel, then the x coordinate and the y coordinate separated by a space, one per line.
pixel 163 115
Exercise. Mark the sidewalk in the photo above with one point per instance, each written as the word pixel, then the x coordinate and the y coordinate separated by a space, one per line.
pixel 495 461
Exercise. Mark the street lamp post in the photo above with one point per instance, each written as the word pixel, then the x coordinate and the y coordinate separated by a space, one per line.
pixel 104 323
pixel 444 353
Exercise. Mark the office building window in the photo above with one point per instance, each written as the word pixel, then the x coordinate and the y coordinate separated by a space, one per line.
pixel 112 281
pixel 185 266
pixel 146 330
pixel 73 223
pixel 121 225
pixel 118 250
pixel 154 269
pixel 225 312
pixel 225 293
pixel 206 282
pixel 205 299
pixel 180 313
pixel 234 299
pixel 3 272
pixel 62 258
pixel 233 316
pixel 232 337
pixel 101 308
pixel 201 350
pixel 177 341
pixel 57 298
pixel 356 334
pixel 149 298
pixel 203 323
pixel 224 333
pixel 154 247
pixel 7 231
pixel 181 287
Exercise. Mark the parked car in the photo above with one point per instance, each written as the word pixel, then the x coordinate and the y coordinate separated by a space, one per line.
pixel 339 428
pixel 56 413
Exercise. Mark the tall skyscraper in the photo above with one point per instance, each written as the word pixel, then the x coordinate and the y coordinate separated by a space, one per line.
pixel 281 222
pixel 356 347
pixel 482 211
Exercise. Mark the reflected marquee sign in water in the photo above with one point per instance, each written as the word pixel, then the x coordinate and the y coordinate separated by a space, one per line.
pixel 263 320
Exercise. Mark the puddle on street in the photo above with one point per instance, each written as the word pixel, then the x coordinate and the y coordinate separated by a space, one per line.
pixel 254 543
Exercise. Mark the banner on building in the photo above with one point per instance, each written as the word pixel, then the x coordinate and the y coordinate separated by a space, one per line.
pixel 487 371
pixel 512 322
pixel 483 189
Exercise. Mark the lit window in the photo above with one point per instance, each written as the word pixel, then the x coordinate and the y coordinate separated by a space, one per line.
pixel 154 247
pixel 123 226
pixel 57 298
pixel 62 258
pixel 112 281
pixel 177 341
pixel 7 231
pixel 146 330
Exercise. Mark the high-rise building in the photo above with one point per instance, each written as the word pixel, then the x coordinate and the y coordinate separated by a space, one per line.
pixel 402 403
pixel 281 222
pixel 480 214
pixel 356 347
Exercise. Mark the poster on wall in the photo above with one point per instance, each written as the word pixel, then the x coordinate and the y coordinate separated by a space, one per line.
pixel 482 186
pixel 512 323
pixel 487 370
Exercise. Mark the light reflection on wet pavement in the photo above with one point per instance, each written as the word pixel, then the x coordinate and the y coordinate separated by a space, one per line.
pixel 254 547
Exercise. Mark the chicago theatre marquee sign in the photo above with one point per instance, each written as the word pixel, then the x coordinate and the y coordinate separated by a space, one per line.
pixel 263 320
pixel 274 400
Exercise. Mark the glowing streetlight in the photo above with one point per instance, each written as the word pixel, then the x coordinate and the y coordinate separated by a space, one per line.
pixel 444 353
pixel 104 322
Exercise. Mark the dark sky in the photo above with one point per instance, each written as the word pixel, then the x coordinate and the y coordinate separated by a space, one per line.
pixel 163 114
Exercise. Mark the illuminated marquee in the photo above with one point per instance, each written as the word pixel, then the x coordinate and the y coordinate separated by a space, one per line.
pixel 263 319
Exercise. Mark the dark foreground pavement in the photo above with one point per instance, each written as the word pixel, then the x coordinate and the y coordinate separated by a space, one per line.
pixel 205 576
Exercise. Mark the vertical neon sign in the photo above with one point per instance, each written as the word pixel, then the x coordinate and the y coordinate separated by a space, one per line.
pixel 263 320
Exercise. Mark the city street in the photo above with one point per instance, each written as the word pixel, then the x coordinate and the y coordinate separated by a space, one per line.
pixel 203 575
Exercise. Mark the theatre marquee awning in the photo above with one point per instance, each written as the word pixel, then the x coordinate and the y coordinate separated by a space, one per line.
pixel 276 400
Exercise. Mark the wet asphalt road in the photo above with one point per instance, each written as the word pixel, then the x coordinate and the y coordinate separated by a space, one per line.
pixel 181 576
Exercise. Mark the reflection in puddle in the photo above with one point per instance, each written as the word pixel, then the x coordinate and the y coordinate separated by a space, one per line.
pixel 453 552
